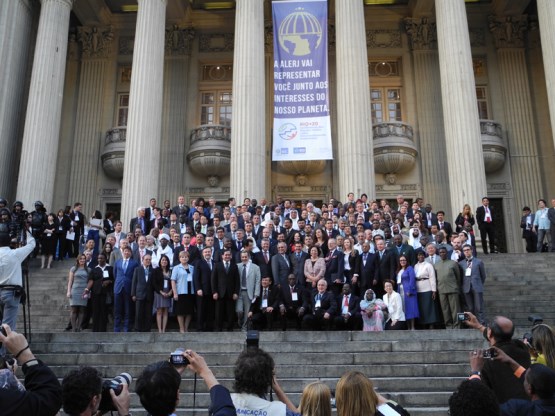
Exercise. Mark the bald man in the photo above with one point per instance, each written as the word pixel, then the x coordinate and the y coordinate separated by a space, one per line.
pixel 496 375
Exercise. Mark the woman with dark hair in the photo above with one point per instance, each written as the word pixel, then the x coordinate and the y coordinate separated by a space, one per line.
pixel 296 238
pixel 321 241
pixel 63 224
pixel 95 225
pixel 406 284
pixel 108 222
pixel 162 292
pixel 314 268
pixel 254 375
pixel 107 250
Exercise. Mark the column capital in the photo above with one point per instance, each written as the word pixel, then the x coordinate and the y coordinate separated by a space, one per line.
pixel 179 41
pixel 96 41
pixel 422 33
pixel 509 31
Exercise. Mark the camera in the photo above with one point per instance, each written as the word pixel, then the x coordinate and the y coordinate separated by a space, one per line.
pixel 535 319
pixel 178 359
pixel 115 384
pixel 530 341
pixel 461 317
pixel 489 353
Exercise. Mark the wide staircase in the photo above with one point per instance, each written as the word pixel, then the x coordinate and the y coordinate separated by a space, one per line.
pixel 418 369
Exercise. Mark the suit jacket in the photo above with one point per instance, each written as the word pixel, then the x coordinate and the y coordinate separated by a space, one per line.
pixel 202 276
pixel 447 229
pixel 280 269
pixel 302 297
pixel 137 255
pixel 225 284
pixel 79 225
pixel 425 219
pixel 481 215
pixel 124 279
pixel 297 266
pixel 157 278
pixel 97 275
pixel 175 226
pixel 366 272
pixel 194 254
pixel 334 266
pixel 318 269
pixel 253 279
pixel 407 251
pixel 477 275
pixel 448 274
pixel 386 268
pixel 135 222
pixel 327 303
pixel 265 268
pixel 273 300
pixel 354 305
pixel 525 230
pixel 140 287
pixel 551 217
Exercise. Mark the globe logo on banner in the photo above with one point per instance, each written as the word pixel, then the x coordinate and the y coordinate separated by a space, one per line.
pixel 300 33
pixel 288 131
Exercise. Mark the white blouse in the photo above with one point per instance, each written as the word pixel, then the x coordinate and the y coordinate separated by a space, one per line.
pixel 394 305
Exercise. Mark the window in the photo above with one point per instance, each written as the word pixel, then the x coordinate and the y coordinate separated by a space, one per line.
pixel 386 104
pixel 123 109
pixel 216 108
pixel 482 100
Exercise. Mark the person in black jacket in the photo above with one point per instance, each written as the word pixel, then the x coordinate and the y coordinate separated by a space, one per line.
pixel 294 302
pixel 226 286
pixel 101 287
pixel 322 306
pixel 42 395
pixel 204 296
pixel 264 308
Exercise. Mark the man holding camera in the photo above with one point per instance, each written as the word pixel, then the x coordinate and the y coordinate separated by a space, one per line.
pixel 11 279
pixel 42 395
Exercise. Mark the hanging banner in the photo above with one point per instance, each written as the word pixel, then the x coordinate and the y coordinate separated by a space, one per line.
pixel 301 88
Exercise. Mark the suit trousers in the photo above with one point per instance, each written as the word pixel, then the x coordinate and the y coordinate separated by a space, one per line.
pixel 450 306
pixel 205 312
pixel 225 307
pixel 242 307
pixel 291 313
pixel 143 315
pixel 475 303
pixel 99 313
pixel 124 312
pixel 487 230
pixel 552 234
pixel 317 321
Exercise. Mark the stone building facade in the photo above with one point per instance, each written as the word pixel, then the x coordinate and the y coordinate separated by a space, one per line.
pixel 448 100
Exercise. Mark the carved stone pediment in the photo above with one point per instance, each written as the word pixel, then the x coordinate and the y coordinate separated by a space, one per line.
pixel 179 41
pixel 509 31
pixel 422 33
pixel 96 42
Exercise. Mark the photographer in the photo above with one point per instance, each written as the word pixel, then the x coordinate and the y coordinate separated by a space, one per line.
pixel 158 387
pixel 541 343
pixel 42 395
pixel 11 279
pixel 495 375
pixel 82 394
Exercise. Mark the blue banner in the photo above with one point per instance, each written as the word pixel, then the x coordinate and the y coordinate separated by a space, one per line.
pixel 301 84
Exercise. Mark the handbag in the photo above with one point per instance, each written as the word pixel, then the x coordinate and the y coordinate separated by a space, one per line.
pixel 102 233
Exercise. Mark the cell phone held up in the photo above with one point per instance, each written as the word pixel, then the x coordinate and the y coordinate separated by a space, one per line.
pixel 489 353
pixel 461 317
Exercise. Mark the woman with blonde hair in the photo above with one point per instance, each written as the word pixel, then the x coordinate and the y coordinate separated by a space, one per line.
pixel 316 400
pixel 465 217
pixel 355 395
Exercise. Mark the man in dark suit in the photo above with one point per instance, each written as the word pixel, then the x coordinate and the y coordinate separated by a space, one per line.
pixel 205 302
pixel 365 269
pixel 142 293
pixel 294 302
pixel 140 251
pixel 444 225
pixel 264 308
pixel 101 285
pixel 297 259
pixel 386 267
pixel 78 226
pixel 124 311
pixel 527 225
pixel 486 224
pixel 263 259
pixel 429 218
pixel 322 308
pixel 474 277
pixel 225 285
pixel 403 249
pixel 181 210
pixel 281 266
pixel 329 230
pixel 194 253
pixel 335 263
pixel 348 310
pixel 139 222
pixel 149 211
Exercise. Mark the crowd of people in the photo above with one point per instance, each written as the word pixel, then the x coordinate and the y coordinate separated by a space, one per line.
pixel 360 264
pixel 512 377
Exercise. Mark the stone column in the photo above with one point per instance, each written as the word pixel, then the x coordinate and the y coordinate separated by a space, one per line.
pixel 423 41
pixel 179 43
pixel 509 34
pixel 96 45
pixel 355 151
pixel 37 169
pixel 248 150
pixel 15 31
pixel 144 126
pixel 467 178
pixel 546 15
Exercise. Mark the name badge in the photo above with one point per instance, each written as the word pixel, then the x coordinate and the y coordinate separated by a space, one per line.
pixel 105 274
pixel 468 272
pixel 318 304
pixel 264 303
pixel 165 284
pixel 294 296
pixel 76 218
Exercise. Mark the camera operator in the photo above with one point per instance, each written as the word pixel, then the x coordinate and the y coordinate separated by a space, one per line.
pixel 538 382
pixel 11 280
pixel 495 375
pixel 42 395
pixel 158 387
pixel 82 393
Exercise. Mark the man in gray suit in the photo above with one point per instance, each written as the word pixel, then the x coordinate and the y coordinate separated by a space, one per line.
pixel 142 293
pixel 281 266
pixel 474 276
pixel 250 288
